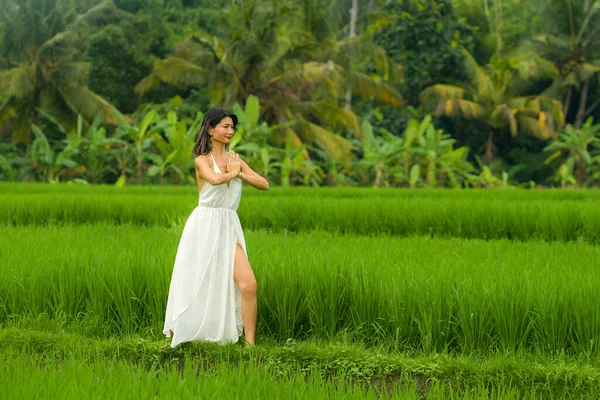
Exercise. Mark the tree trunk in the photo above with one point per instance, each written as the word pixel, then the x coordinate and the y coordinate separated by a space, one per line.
pixel 580 172
pixel 486 8
pixel 567 102
pixel 139 169
pixel 490 152
pixel 379 174
pixel 498 22
pixel 582 101
pixel 353 18
pixel 431 174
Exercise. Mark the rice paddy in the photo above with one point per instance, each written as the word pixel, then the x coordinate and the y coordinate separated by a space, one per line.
pixel 453 274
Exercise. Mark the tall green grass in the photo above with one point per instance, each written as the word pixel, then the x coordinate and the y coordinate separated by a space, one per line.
pixel 445 216
pixel 417 293
pixel 28 377
pixel 332 369
pixel 308 192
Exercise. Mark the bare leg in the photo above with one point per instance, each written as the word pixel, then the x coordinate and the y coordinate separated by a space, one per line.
pixel 244 278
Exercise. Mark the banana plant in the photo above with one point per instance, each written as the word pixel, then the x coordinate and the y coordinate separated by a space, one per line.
pixel 251 139
pixel 142 137
pixel 262 159
pixel 579 146
pixel 6 169
pixel 435 153
pixel 296 167
pixel 94 148
pixel 14 166
pixel 50 164
pixel 248 124
pixel 382 154
pixel 175 145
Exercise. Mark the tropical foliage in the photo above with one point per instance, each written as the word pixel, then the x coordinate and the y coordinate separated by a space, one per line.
pixel 580 150
pixel 44 42
pixel 573 44
pixel 414 93
pixel 269 52
pixel 491 96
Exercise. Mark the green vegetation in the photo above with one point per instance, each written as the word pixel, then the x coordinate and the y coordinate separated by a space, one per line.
pixel 559 216
pixel 325 370
pixel 332 90
pixel 430 295
pixel 382 282
pixel 437 293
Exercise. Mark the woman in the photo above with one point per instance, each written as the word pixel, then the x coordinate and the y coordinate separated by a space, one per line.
pixel 212 296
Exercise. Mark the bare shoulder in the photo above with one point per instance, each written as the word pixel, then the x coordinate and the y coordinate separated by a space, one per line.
pixel 202 159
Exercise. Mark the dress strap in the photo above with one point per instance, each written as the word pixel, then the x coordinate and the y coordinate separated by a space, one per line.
pixel 214 162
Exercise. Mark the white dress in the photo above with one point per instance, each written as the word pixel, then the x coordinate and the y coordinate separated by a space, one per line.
pixel 204 302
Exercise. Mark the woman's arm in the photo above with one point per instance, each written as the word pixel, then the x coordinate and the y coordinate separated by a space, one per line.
pixel 207 173
pixel 252 178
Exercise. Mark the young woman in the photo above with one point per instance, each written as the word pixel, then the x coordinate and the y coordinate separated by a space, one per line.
pixel 212 296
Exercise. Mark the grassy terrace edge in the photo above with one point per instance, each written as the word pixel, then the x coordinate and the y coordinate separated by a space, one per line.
pixel 443 213
pixel 558 376
pixel 23 188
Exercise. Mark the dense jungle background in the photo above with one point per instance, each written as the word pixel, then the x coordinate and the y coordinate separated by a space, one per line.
pixel 414 93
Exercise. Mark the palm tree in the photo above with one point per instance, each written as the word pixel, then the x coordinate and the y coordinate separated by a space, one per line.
pixel 47 72
pixel 301 82
pixel 574 45
pixel 491 96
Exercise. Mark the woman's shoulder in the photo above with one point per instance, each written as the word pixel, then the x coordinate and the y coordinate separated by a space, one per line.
pixel 202 158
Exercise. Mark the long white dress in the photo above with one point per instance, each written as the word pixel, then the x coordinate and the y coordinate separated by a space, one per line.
pixel 204 302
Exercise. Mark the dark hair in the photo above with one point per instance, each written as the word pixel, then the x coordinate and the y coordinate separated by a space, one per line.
pixel 211 119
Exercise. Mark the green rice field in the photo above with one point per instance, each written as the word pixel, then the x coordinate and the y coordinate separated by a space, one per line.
pixel 363 293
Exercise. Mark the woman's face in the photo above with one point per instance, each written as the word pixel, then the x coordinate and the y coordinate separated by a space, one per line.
pixel 223 131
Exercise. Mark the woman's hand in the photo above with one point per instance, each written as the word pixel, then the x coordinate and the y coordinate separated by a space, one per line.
pixel 234 165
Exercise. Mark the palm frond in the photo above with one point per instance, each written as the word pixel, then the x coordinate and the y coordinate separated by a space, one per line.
pixel 592 13
pixel 571 80
pixel 81 100
pixel 97 16
pixel 460 108
pixel 432 96
pixel 199 51
pixel 332 143
pixel 538 104
pixel 329 114
pixel 552 44
pixel 356 48
pixel 310 73
pixel 72 73
pixel 177 71
pixel 368 87
pixel 59 46
pixel 17 82
pixel 503 114
pixel 531 67
pixel 554 91
pixel 21 129
pixel 282 134
pixel 147 84
pixel 587 71
pixel 7 110
pixel 479 78
pixel 541 127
